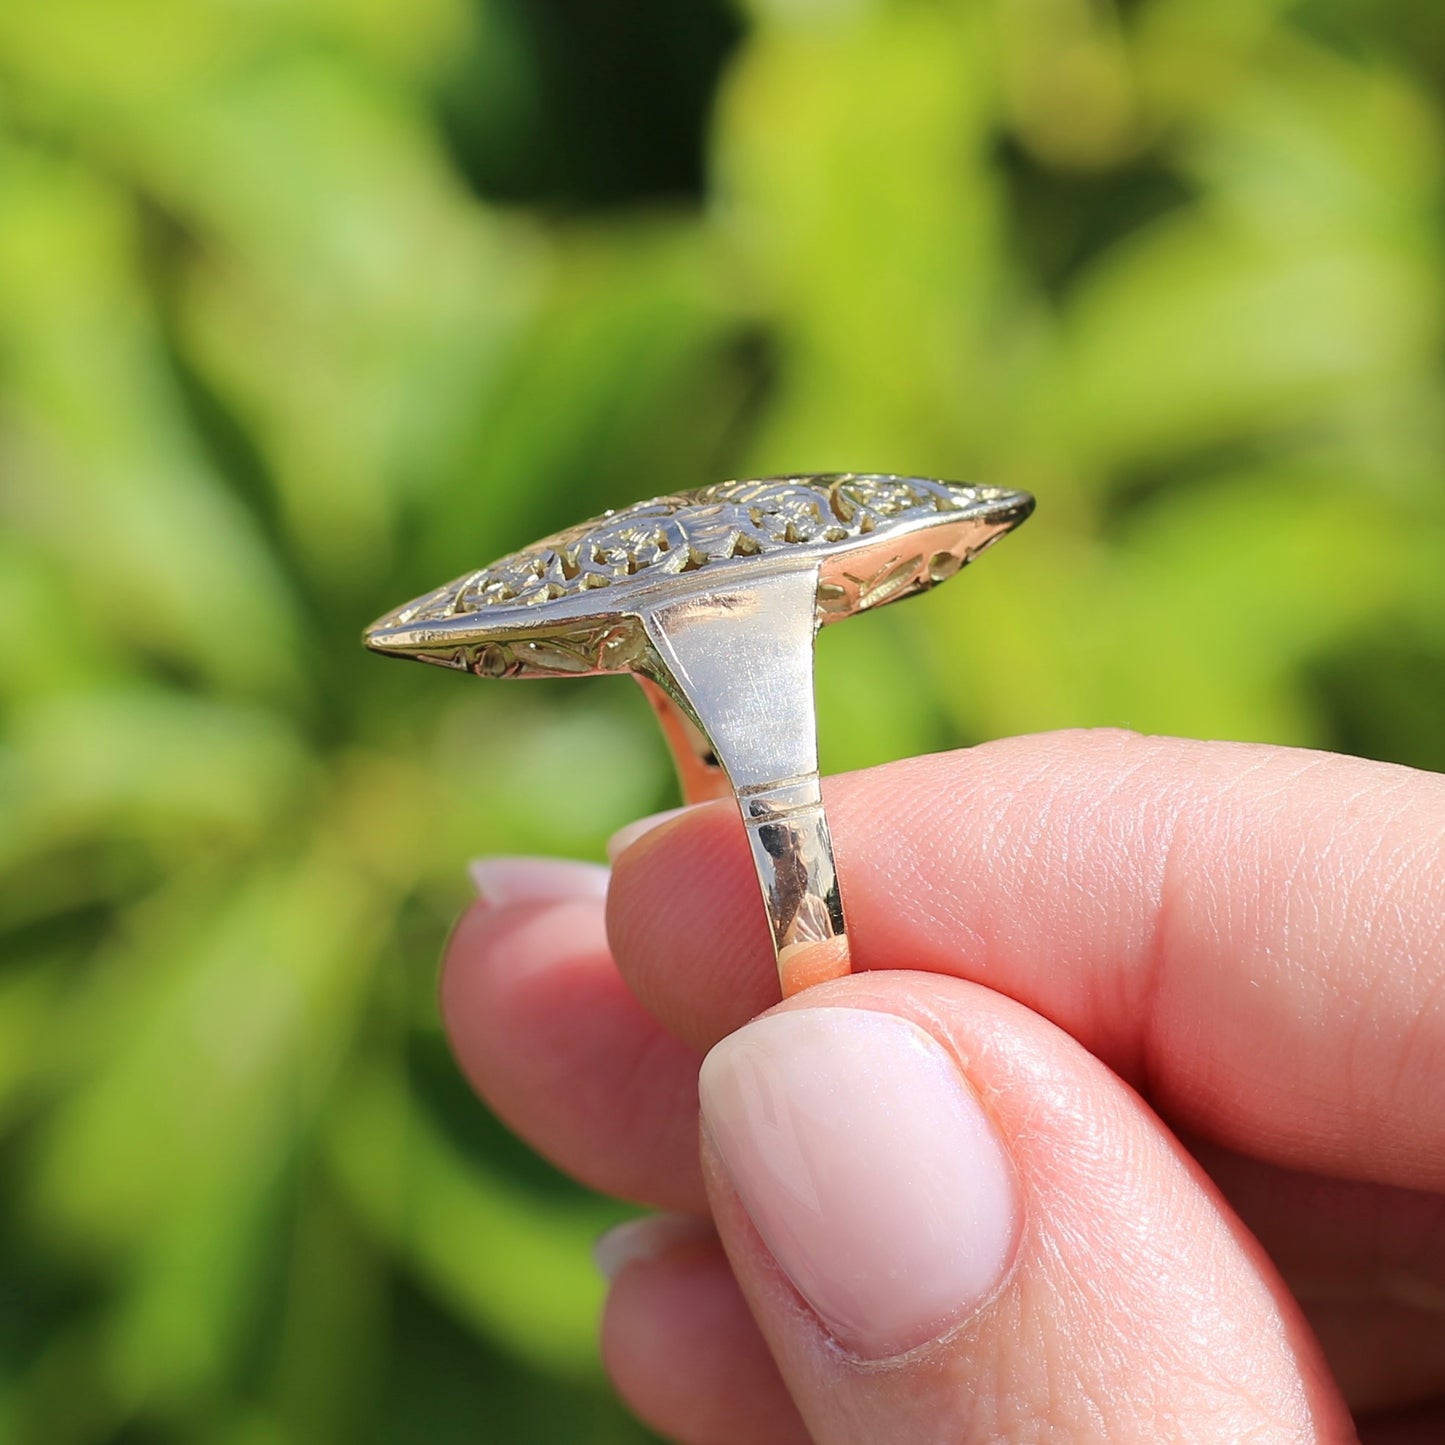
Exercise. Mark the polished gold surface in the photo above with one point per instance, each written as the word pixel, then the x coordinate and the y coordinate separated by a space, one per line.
pixel 712 599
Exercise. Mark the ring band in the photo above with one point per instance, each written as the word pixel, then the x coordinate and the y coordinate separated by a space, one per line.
pixel 712 599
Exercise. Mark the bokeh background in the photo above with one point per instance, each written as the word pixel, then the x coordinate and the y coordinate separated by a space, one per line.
pixel 308 305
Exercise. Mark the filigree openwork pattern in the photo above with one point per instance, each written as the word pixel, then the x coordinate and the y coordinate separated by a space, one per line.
pixel 688 531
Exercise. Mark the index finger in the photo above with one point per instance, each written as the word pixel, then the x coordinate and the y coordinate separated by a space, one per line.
pixel 1253 936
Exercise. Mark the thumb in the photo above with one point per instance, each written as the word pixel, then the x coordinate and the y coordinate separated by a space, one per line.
pixel 953 1224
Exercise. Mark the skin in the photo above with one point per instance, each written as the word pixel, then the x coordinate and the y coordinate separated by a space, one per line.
pixel 1200 988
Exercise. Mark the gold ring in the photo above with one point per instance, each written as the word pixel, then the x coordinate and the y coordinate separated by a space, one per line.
pixel 712 599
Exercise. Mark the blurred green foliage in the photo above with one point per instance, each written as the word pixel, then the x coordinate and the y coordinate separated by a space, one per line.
pixel 309 305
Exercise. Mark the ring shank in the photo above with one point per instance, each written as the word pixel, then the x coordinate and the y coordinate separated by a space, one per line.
pixel 763 752
pixel 791 845
pixel 793 854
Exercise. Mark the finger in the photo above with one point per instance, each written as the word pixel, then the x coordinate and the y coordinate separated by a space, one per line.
pixel 681 1346
pixel 952 1223
pixel 1366 1262
pixel 550 1036
pixel 1251 935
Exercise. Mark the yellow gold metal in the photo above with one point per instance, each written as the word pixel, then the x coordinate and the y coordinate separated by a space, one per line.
pixel 711 599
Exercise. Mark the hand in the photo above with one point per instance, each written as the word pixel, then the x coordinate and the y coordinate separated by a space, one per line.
pixel 1131 1126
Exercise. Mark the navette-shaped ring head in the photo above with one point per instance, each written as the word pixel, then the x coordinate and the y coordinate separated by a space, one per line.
pixel 570 603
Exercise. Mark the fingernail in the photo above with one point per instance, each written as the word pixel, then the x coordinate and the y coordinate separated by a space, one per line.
pixel 869 1168
pixel 626 836
pixel 500 881
pixel 647 1238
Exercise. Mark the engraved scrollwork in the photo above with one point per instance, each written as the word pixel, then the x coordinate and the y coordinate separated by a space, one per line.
pixel 607 647
pixel 692 530
pixel 848 591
